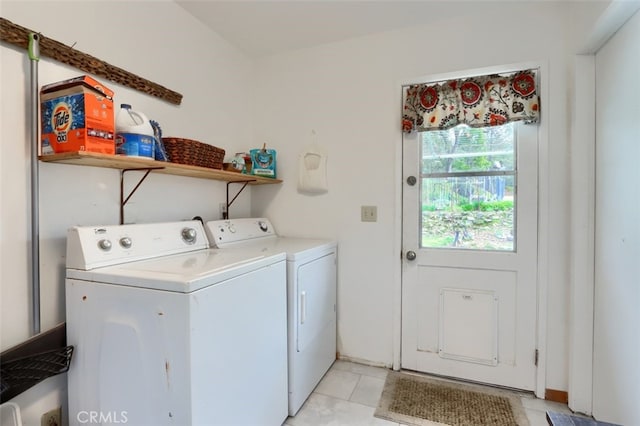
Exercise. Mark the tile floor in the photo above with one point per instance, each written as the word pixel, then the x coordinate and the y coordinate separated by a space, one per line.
pixel 348 395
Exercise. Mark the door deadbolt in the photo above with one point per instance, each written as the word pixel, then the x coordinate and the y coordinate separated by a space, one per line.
pixel 411 255
pixel 411 180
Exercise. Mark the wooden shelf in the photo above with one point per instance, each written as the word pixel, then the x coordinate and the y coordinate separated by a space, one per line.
pixel 94 159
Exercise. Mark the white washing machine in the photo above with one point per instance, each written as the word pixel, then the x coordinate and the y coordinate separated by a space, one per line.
pixel 311 286
pixel 169 332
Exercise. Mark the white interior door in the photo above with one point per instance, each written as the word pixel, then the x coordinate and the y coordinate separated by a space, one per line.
pixel 469 274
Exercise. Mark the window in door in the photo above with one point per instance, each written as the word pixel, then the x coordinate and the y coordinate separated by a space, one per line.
pixel 468 188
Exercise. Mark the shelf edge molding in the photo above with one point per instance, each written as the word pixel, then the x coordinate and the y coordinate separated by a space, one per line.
pixel 94 159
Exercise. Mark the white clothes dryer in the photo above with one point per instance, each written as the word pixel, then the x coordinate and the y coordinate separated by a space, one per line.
pixel 169 332
pixel 311 288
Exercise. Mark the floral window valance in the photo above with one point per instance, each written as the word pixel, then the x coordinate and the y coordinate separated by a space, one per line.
pixel 478 102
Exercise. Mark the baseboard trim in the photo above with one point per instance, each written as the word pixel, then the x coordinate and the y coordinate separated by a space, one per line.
pixel 361 361
pixel 556 396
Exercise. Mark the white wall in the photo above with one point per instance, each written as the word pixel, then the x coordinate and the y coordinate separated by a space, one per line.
pixel 158 41
pixel 350 93
pixel 616 373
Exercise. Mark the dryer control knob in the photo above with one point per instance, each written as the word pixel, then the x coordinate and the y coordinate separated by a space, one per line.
pixel 263 226
pixel 104 245
pixel 189 235
pixel 126 242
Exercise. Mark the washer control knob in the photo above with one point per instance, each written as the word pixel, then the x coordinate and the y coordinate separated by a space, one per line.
pixel 189 235
pixel 263 226
pixel 126 242
pixel 232 228
pixel 104 245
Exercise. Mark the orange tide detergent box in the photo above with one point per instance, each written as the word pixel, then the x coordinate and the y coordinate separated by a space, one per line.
pixel 77 115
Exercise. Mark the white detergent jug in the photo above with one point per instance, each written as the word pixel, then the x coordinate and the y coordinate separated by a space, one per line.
pixel 134 134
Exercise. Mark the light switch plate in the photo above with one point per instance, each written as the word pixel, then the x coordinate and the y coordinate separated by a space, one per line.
pixel 368 213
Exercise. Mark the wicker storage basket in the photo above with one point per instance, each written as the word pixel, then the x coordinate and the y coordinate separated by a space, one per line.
pixel 193 153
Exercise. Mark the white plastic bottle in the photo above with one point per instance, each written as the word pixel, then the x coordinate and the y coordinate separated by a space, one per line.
pixel 134 134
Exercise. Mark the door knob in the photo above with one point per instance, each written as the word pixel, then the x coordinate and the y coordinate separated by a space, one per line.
pixel 411 180
pixel 411 255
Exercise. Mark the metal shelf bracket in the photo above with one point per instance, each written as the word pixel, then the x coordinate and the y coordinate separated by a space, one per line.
pixel 244 185
pixel 123 200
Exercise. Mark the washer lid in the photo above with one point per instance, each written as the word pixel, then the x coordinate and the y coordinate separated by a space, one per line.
pixel 183 273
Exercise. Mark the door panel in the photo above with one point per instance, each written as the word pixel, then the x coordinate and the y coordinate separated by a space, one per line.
pixel 474 341
pixel 469 311
pixel 440 282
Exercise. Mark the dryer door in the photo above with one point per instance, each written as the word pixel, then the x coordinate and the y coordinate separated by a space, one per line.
pixel 316 298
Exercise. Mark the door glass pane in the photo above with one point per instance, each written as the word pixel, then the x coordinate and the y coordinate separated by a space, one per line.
pixel 468 188
pixel 466 149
